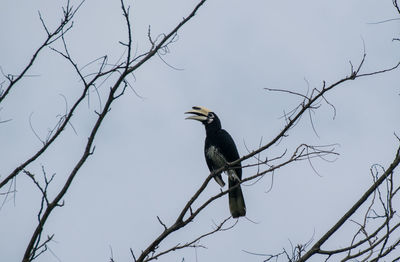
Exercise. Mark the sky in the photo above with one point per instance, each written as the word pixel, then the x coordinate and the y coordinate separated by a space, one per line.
pixel 149 161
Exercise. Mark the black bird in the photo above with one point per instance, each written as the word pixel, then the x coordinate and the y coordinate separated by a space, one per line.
pixel 219 149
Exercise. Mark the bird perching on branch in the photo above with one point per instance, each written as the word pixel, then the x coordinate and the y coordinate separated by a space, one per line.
pixel 219 149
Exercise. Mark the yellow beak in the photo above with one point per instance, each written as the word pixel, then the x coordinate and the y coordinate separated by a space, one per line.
pixel 200 113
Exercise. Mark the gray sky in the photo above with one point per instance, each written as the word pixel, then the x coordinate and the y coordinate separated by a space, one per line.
pixel 149 160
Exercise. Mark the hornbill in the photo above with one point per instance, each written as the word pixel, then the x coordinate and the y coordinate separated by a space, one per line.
pixel 219 149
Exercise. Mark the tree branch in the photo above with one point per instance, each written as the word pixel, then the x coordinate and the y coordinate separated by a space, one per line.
pixel 68 14
pixel 316 248
pixel 29 252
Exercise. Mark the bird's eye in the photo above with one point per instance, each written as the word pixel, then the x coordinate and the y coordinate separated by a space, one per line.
pixel 210 118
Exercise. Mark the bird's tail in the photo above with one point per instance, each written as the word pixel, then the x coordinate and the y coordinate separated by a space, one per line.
pixel 236 200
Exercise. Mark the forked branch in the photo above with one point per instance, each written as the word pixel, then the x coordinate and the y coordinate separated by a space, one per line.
pixel 117 89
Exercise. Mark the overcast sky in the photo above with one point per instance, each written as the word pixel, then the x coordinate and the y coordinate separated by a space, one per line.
pixel 149 161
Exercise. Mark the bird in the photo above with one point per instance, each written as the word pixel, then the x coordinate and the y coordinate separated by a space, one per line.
pixel 219 149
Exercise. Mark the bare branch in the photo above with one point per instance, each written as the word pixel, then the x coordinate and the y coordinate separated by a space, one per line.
pixel 112 96
pixel 159 220
pixel 193 242
pixel 53 36
pixel 316 248
pixel 396 5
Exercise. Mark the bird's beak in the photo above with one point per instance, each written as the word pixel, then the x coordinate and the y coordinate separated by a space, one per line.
pixel 199 113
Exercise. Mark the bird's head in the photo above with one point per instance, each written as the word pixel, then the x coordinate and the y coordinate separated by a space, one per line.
pixel 204 115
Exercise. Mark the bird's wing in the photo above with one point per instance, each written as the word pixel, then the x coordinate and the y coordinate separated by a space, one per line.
pixel 227 148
